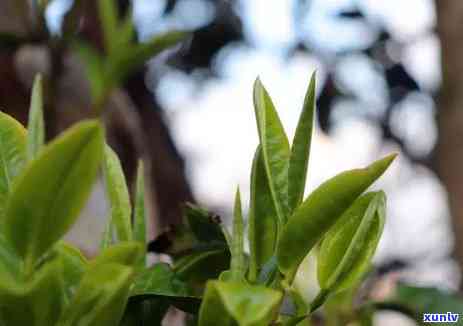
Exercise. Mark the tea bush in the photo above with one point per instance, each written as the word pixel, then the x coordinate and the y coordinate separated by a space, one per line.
pixel 43 187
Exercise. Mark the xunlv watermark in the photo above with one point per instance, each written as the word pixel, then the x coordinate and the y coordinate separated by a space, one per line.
pixel 448 317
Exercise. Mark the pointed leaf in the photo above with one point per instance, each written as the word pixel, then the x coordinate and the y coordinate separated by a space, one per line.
pixel 12 155
pixel 94 69
pixel 275 149
pixel 320 211
pixel 237 264
pixel 109 16
pixel 227 302
pixel 300 149
pixel 36 126
pixel 347 248
pixel 263 222
pixel 126 62
pixel 139 227
pixel 49 194
pixel 101 297
pixel 118 195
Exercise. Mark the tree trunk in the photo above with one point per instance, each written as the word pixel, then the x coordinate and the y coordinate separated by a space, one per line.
pixel 449 150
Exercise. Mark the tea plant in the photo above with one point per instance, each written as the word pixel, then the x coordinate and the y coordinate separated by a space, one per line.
pixel 43 187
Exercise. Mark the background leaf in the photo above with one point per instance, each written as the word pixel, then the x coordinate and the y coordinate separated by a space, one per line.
pixel 36 125
pixel 49 194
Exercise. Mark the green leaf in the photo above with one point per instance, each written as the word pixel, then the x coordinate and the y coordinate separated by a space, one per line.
pixel 145 312
pixel 300 150
pixel 139 227
pixel 107 237
pixel 125 62
pixel 348 247
pixel 74 265
pixel 49 194
pixel 95 71
pixel 237 264
pixel 10 263
pixel 12 155
pixel 160 282
pixel 275 149
pixel 118 195
pixel 227 302
pixel 263 222
pixel 109 16
pixel 204 225
pixel 101 297
pixel 320 211
pixel 38 302
pixel 36 125
pixel 429 300
pixel 202 266
pixel 124 253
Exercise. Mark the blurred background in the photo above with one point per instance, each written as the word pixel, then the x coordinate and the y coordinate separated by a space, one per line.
pixel 389 78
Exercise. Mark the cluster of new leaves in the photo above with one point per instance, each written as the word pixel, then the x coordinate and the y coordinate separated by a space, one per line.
pixel 43 188
pixel 337 220
pixel 45 281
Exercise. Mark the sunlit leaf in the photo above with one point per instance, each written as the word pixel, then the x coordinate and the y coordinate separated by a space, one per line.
pixel 118 195
pixel 320 211
pixel 226 303
pixel 12 154
pixel 300 149
pixel 275 149
pixel 49 194
pixel 36 126
pixel 101 297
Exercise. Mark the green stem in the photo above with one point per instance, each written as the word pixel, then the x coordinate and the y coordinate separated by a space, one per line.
pixel 319 300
